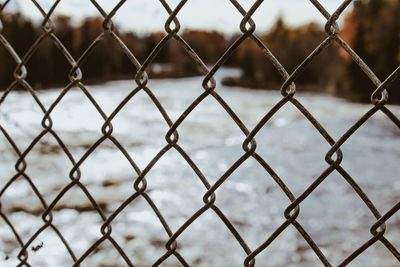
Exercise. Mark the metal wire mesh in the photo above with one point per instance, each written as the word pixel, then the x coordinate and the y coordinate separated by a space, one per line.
pixel 288 90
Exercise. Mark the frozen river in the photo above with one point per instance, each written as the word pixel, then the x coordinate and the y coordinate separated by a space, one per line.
pixel 334 215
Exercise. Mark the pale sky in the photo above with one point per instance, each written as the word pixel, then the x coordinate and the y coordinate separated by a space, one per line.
pixel 145 16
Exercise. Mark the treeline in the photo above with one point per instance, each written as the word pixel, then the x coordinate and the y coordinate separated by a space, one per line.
pixel 372 28
pixel 49 67
pixel 290 46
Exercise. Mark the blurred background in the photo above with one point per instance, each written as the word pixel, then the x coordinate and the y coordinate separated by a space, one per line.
pixel 332 88
pixel 291 30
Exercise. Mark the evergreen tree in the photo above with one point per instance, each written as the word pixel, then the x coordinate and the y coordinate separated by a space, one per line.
pixel 376 40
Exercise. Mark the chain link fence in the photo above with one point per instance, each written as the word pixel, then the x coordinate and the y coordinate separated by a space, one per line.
pixel 140 190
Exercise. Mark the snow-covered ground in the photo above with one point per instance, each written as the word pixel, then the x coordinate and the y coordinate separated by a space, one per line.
pixel 333 214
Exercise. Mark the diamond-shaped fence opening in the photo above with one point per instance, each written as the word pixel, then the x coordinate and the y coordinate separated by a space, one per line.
pixel 187 172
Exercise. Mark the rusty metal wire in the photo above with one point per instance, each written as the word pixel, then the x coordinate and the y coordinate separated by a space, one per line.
pixel 288 90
